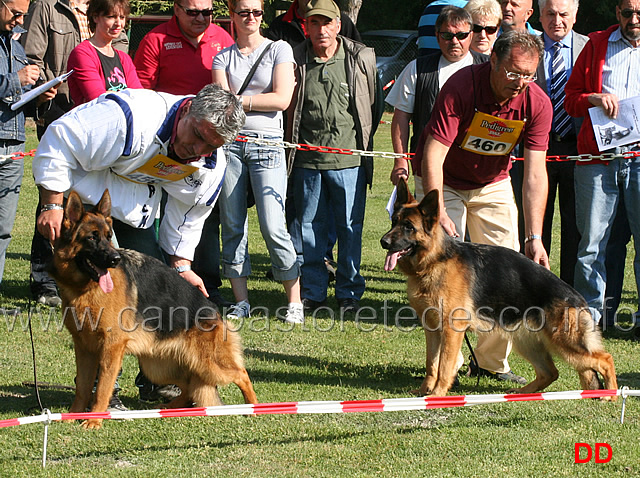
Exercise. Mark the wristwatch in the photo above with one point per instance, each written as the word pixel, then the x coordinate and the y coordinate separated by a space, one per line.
pixel 183 268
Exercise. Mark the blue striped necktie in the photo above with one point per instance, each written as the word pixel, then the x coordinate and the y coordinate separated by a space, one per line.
pixel 562 124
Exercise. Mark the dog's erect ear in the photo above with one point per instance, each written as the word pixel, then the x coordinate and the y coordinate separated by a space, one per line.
pixel 403 195
pixel 104 205
pixel 430 208
pixel 74 209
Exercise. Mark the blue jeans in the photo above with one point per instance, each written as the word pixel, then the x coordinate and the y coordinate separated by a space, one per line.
pixel 11 171
pixel 599 188
pixel 321 197
pixel 262 168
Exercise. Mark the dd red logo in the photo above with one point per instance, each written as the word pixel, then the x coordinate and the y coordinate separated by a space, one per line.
pixel 583 453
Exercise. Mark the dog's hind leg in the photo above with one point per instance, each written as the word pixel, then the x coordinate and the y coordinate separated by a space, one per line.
pixel 243 382
pixel 536 352
pixel 204 394
pixel 86 370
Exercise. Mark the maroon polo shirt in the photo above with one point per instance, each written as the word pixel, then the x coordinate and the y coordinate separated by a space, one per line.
pixel 455 107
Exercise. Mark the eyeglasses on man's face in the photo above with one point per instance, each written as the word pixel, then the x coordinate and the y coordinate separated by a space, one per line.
pixel 448 36
pixel 513 76
pixel 628 13
pixel 14 15
pixel 194 13
pixel 489 29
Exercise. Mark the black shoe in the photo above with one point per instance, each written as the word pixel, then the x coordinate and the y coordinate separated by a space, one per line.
pixel 50 299
pixel 349 306
pixel 509 376
pixel 156 393
pixel 216 298
pixel 310 306
pixel 115 404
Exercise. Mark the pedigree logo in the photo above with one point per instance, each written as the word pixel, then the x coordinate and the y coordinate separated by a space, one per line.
pixel 497 128
pixel 174 45
pixel 583 453
pixel 167 169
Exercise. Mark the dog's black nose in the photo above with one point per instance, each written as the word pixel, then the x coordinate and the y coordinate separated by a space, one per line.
pixel 114 259
pixel 384 242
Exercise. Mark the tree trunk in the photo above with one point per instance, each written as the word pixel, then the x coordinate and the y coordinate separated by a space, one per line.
pixel 352 9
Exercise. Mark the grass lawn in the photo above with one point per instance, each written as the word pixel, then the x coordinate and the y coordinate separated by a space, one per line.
pixel 379 356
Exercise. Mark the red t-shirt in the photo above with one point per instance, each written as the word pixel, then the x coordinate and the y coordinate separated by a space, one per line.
pixel 166 61
pixel 455 107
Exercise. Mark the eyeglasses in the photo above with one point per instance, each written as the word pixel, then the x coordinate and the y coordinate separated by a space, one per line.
pixel 488 29
pixel 448 36
pixel 15 15
pixel 246 13
pixel 628 13
pixel 194 13
pixel 513 76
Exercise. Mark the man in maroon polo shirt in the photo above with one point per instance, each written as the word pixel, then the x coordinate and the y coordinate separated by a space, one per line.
pixel 466 158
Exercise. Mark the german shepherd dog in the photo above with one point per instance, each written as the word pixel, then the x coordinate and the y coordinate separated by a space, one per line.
pixel 454 285
pixel 118 301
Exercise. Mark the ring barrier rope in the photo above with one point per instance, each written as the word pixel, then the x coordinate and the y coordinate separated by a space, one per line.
pixel 324 407
pixel 380 154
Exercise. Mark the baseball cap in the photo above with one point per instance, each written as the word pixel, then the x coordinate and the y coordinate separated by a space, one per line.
pixel 325 8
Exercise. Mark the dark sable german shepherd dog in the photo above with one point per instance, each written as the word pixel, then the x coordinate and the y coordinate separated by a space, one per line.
pixel 118 301
pixel 454 285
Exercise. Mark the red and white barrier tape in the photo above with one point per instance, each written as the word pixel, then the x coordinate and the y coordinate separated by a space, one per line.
pixel 292 408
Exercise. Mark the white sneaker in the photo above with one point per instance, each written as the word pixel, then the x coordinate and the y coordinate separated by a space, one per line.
pixel 241 310
pixel 295 314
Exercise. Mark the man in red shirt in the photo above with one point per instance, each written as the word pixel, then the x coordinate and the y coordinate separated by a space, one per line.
pixel 472 130
pixel 176 57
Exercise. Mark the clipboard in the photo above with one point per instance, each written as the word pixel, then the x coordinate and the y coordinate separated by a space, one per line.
pixel 35 92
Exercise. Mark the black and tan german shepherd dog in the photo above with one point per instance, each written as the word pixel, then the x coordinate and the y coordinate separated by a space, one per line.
pixel 118 301
pixel 454 285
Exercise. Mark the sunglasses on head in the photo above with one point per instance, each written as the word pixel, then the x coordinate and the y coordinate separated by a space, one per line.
pixel 490 30
pixel 628 13
pixel 448 36
pixel 194 13
pixel 246 13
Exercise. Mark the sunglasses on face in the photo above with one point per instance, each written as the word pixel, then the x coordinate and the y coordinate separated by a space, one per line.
pixel 448 36
pixel 628 13
pixel 15 15
pixel 194 13
pixel 490 30
pixel 246 13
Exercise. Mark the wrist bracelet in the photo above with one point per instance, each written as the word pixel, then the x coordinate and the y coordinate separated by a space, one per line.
pixel 531 237
pixel 184 268
pixel 51 207
pixel 250 102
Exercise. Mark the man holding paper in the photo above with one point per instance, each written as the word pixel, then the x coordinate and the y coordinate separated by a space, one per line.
pixel 606 72
pixel 16 76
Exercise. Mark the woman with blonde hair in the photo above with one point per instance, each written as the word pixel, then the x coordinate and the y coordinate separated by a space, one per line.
pixel 260 71
pixel 487 16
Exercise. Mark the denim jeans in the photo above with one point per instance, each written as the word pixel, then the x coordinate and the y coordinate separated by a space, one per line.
pixel 599 188
pixel 11 171
pixel 262 168
pixel 322 196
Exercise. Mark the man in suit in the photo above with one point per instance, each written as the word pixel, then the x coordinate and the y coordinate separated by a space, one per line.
pixel 557 18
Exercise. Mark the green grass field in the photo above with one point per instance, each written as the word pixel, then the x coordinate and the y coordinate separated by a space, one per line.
pixel 326 359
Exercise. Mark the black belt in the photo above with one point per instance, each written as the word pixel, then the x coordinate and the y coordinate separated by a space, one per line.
pixel 563 139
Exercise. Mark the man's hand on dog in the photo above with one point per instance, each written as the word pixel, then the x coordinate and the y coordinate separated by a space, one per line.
pixel 49 222
pixel 448 225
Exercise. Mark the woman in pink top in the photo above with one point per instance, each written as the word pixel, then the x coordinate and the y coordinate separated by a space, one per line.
pixel 97 66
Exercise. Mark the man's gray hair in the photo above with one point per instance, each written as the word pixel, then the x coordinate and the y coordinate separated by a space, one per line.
pixel 526 41
pixel 543 3
pixel 453 16
pixel 486 9
pixel 221 108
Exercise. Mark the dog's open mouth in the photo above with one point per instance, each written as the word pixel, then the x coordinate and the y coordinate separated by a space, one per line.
pixel 102 276
pixel 392 258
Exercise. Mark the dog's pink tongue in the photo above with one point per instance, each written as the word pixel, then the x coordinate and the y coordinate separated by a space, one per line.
pixel 105 282
pixel 391 261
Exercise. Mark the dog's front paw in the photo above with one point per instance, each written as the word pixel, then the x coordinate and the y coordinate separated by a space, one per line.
pixel 92 424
